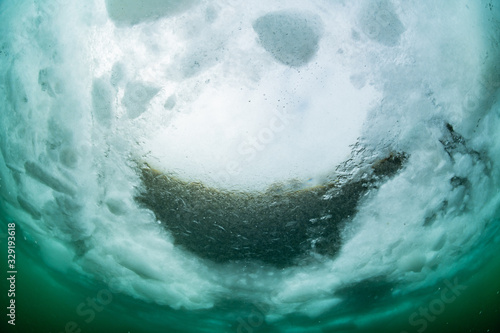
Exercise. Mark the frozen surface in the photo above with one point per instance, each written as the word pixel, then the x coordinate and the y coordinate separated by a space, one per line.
pixel 290 37
pixel 240 97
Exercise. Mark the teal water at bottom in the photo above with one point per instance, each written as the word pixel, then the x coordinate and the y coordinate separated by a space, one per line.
pixel 48 301
pixel 76 112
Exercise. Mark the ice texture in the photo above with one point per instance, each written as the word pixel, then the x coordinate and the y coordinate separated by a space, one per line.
pixel 131 12
pixel 43 176
pixel 243 99
pixel 102 101
pixel 136 98
pixel 292 38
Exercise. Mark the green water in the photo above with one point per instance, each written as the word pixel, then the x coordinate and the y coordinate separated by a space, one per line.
pixel 48 301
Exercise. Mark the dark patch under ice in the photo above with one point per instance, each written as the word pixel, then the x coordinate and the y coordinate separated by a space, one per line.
pixel 276 227
pixel 128 12
pixel 381 24
pixel 292 38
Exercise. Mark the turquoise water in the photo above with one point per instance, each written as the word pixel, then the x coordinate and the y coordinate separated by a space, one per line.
pixel 358 140
pixel 47 302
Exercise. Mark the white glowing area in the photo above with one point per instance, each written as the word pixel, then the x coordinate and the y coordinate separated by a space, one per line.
pixel 290 124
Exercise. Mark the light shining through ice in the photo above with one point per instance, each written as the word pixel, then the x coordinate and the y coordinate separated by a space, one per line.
pixel 258 166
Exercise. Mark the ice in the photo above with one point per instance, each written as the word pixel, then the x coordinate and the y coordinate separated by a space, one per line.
pixel 44 79
pixel 67 205
pixel 116 206
pixel 15 92
pixel 14 168
pixel 56 255
pixel 69 157
pixel 102 101
pixel 64 215
pixel 317 308
pixel 131 12
pixel 170 102
pixel 118 74
pixel 29 208
pixel 137 96
pixel 380 23
pixel 43 176
pixel 133 259
pixel 412 262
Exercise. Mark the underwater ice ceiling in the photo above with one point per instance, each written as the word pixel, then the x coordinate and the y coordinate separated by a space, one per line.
pixel 187 152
